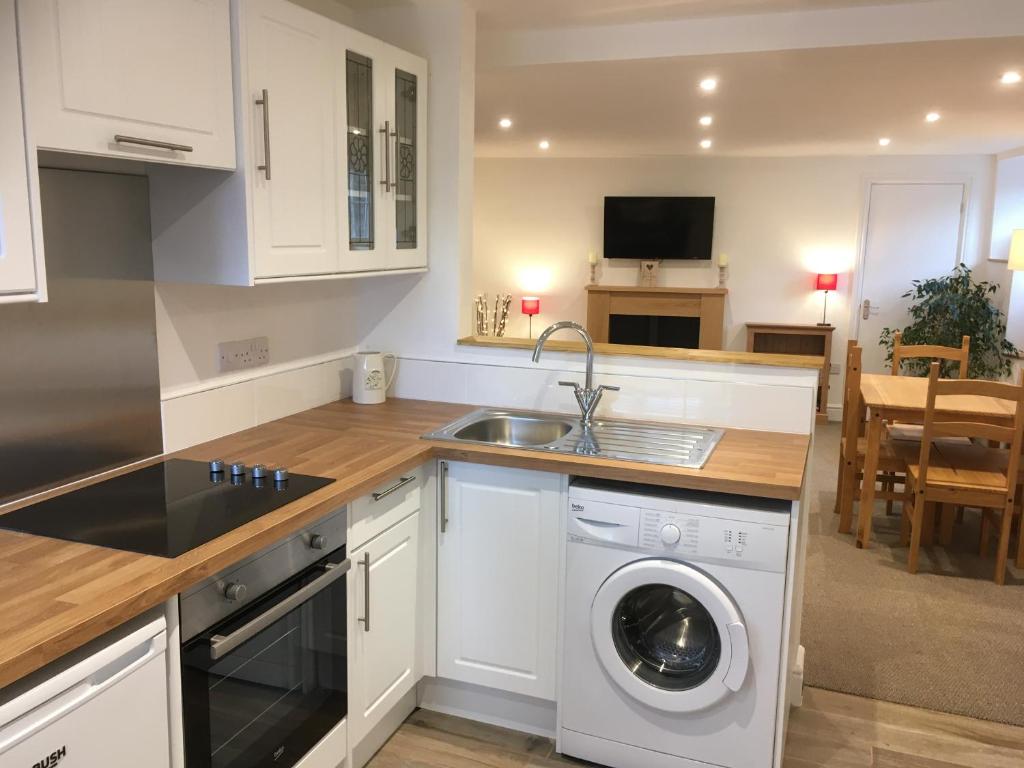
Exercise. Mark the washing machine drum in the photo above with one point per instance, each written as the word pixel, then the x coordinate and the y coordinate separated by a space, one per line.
pixel 669 636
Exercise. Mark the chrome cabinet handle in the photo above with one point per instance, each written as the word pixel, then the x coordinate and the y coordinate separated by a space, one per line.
pixel 443 494
pixel 265 103
pixel 378 495
pixel 366 593
pixel 152 143
pixel 386 131
pixel 394 177
pixel 223 644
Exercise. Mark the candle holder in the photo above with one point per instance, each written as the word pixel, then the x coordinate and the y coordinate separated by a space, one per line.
pixel 593 274
pixel 723 273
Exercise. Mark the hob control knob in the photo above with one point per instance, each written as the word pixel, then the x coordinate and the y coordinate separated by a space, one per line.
pixel 234 592
pixel 280 475
pixel 259 471
pixel 670 535
pixel 238 469
pixel 216 466
pixel 317 541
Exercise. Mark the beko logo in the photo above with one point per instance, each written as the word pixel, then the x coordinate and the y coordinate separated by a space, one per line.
pixel 54 757
pixel 577 507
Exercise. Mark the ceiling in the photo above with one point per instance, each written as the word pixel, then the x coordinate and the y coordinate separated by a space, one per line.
pixel 529 14
pixel 823 101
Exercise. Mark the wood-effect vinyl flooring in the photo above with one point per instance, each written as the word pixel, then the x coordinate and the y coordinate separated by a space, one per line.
pixel 831 730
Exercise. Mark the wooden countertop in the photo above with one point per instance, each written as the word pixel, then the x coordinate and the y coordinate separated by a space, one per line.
pixel 664 353
pixel 56 596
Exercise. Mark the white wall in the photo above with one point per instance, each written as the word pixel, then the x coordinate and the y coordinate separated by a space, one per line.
pixel 1008 215
pixel 301 320
pixel 779 219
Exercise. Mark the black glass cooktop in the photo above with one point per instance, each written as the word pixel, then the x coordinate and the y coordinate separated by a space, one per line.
pixel 165 509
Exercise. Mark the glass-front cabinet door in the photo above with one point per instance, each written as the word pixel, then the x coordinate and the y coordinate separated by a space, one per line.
pixel 383 157
pixel 407 204
pixel 362 113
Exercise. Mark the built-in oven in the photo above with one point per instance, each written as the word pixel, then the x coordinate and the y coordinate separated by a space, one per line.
pixel 264 657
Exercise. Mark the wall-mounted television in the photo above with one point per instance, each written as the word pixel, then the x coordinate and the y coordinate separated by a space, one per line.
pixel 658 227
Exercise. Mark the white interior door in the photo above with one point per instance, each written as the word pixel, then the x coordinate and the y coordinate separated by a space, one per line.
pixel 913 232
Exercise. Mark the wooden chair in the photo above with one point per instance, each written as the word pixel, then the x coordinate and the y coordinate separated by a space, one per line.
pixel 853 447
pixel 933 352
pixel 965 473
pixel 901 352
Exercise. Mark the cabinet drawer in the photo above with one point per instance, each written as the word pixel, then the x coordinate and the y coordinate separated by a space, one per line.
pixel 392 502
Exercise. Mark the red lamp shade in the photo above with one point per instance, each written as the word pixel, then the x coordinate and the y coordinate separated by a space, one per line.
pixel 531 305
pixel 827 282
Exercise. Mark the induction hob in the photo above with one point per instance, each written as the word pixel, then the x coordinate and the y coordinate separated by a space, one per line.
pixel 165 509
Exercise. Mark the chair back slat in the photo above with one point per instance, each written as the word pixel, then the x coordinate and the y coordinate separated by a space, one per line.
pixel 956 427
pixel 851 392
pixel 999 390
pixel 901 352
pixel 972 429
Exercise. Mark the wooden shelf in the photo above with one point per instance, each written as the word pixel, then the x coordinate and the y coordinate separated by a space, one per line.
pixel 815 341
pixel 665 353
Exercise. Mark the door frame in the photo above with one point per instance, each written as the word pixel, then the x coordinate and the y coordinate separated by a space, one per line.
pixel 857 278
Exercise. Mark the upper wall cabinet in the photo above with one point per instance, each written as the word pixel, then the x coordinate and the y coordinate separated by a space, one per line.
pixel 21 267
pixel 139 79
pixel 383 114
pixel 331 161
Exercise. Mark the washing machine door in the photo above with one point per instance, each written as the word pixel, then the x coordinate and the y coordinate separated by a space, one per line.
pixel 669 636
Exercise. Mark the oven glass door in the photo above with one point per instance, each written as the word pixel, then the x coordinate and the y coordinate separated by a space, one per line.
pixel 274 693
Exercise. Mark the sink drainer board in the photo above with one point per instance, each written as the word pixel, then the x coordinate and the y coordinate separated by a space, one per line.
pixel 674 445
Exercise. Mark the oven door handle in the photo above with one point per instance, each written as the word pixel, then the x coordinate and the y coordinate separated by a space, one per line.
pixel 224 644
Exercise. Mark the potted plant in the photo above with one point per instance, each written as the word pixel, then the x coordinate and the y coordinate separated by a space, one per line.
pixel 944 310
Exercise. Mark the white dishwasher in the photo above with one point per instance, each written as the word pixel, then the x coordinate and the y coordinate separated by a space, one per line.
pixel 105 706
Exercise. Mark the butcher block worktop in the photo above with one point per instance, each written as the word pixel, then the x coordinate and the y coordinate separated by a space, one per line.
pixel 56 596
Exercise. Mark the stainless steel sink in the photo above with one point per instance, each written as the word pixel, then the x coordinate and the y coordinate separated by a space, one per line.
pixel 514 430
pixel 673 445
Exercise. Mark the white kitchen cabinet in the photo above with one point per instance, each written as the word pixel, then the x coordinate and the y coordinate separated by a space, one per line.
pixel 384 629
pixel 289 104
pixel 497 577
pixel 142 79
pixel 384 118
pixel 21 249
pixel 327 187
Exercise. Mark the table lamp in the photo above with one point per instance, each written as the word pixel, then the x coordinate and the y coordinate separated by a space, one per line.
pixel 826 283
pixel 531 307
pixel 1016 261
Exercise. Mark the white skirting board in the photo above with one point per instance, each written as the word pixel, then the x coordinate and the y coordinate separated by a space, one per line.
pixel 487 705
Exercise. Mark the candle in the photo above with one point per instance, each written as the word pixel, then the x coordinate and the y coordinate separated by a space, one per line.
pixel 723 260
pixel 592 258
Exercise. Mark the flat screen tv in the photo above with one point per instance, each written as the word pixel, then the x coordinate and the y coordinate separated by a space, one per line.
pixel 658 227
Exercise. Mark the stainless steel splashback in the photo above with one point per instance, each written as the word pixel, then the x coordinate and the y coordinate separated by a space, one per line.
pixel 79 378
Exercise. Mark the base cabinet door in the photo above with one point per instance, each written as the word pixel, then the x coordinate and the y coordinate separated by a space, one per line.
pixel 384 629
pixel 497 579
pixel 17 252
pixel 141 79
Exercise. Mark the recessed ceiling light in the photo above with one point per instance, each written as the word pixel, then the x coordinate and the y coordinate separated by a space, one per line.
pixel 505 123
pixel 705 144
pixel 544 144
pixel 708 84
pixel 706 120
pixel 1010 78
pixel 884 141
pixel 932 117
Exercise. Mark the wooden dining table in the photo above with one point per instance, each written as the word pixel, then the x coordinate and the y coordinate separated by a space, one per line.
pixel 888 398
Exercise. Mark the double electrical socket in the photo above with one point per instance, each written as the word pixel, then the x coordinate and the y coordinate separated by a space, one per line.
pixel 247 353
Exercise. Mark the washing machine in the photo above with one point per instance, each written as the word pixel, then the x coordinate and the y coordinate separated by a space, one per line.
pixel 672 627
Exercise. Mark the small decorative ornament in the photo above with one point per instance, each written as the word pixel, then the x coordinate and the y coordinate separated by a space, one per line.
pixel 480 311
pixel 649 273
pixel 592 260
pixel 490 321
pixel 723 269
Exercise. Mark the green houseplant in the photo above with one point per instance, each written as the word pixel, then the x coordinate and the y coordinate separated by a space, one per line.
pixel 944 310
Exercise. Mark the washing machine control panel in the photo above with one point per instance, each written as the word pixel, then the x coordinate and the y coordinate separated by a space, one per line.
pixel 756 545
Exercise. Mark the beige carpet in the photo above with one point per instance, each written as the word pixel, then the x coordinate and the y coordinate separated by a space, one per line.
pixel 946 639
